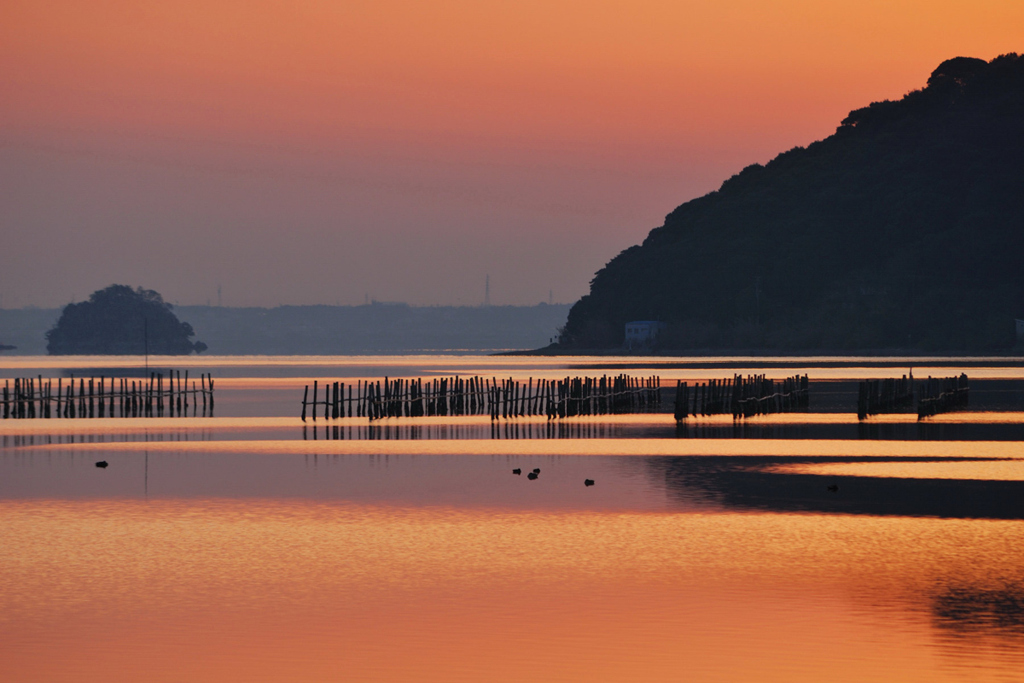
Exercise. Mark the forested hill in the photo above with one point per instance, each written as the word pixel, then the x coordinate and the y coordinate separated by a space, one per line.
pixel 904 229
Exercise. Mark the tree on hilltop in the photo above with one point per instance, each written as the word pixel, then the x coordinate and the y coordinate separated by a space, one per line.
pixel 119 320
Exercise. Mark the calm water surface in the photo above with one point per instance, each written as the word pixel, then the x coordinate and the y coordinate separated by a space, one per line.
pixel 251 547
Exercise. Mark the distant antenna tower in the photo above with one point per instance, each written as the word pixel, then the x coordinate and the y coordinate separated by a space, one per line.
pixel 551 296
pixel 218 297
pixel 487 291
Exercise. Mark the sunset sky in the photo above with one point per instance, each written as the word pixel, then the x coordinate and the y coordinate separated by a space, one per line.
pixel 324 152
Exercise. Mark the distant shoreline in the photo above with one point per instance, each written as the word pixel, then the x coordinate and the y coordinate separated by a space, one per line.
pixel 768 354
pixel 333 330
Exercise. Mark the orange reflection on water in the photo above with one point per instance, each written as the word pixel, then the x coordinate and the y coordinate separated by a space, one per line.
pixel 989 470
pixel 604 447
pixel 140 425
pixel 263 590
pixel 155 425
pixel 669 368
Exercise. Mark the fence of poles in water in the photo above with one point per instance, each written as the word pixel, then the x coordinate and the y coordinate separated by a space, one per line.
pixel 36 397
pixel 875 396
pixel 507 398
pixel 742 397
pixel 942 395
pixel 934 395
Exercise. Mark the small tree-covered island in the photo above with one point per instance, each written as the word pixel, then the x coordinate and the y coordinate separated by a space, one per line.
pixel 119 320
pixel 903 230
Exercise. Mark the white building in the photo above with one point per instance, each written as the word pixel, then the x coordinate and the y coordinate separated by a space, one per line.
pixel 641 334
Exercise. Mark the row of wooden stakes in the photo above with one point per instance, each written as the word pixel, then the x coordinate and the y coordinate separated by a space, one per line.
pixel 942 395
pixel 36 397
pixel 743 397
pixel 876 396
pixel 934 395
pixel 478 396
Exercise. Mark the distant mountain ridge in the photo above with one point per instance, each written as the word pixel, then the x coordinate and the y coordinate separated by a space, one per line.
pixel 904 229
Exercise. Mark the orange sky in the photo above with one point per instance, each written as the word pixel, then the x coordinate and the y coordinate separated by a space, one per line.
pixel 411 148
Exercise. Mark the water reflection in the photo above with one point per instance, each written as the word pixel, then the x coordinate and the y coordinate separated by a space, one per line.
pixel 973 488
pixel 764 483
pixel 251 548
pixel 268 589
pixel 646 428
pixel 549 367
pixel 970 611
pixel 966 427
pixel 1003 469
pixel 440 480
pixel 71 438
pixel 504 429
pixel 821 427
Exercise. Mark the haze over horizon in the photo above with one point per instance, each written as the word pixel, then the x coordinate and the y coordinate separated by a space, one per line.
pixel 320 153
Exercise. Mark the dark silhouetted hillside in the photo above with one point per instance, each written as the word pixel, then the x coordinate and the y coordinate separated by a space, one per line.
pixel 904 229
pixel 120 320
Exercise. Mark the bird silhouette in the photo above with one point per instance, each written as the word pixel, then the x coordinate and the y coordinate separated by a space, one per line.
pixel 531 475
pixel 101 463
pixel 834 488
pixel 536 470
pixel 588 482
pixel 517 471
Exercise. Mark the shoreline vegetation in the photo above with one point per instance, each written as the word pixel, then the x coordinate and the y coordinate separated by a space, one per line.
pixel 769 354
pixel 119 320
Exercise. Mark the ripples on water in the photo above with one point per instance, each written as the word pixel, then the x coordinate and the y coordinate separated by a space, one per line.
pixel 253 547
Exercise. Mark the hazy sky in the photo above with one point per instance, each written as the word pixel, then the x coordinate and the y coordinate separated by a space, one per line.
pixel 319 152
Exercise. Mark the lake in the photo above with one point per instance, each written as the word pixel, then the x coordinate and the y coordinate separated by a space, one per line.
pixel 253 546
